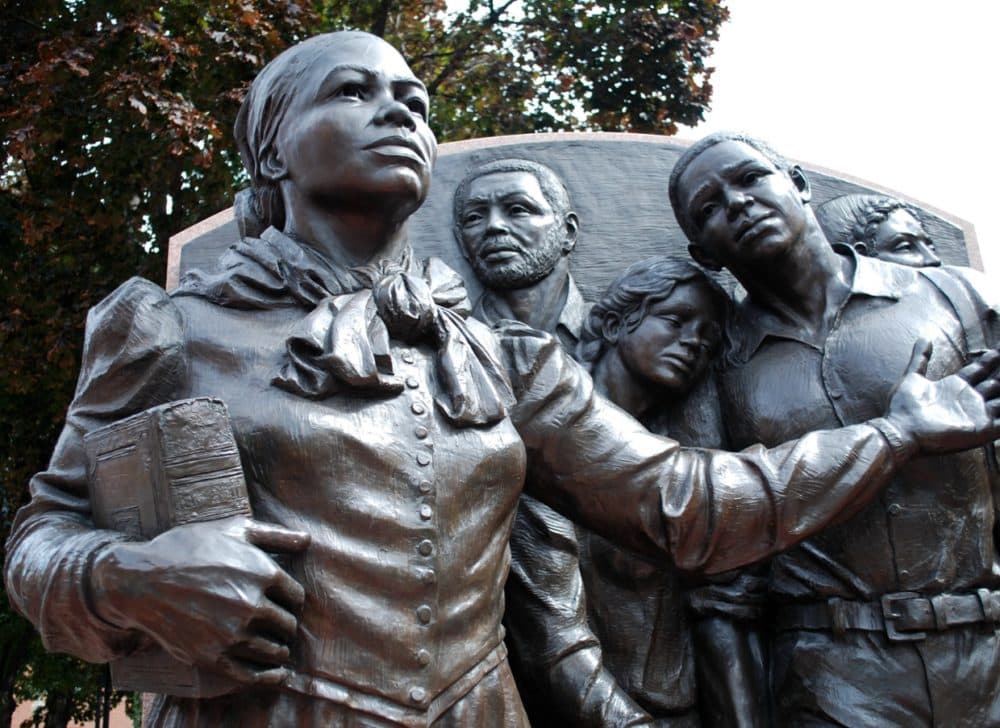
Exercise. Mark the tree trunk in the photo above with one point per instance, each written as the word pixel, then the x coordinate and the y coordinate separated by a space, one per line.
pixel 379 26
pixel 13 652
pixel 58 709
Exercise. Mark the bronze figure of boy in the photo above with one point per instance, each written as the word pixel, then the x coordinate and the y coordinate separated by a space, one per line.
pixel 384 438
pixel 889 617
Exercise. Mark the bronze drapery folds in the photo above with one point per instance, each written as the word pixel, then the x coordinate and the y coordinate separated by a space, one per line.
pixel 366 590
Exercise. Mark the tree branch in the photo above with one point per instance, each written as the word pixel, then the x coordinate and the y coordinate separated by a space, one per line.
pixel 459 54
pixel 382 19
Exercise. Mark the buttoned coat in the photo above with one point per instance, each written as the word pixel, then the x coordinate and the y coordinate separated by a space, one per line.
pixel 409 514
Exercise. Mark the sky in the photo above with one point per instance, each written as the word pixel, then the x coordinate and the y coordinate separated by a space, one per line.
pixel 901 93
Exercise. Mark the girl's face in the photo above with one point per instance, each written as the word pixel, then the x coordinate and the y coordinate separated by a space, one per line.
pixel 673 344
pixel 356 132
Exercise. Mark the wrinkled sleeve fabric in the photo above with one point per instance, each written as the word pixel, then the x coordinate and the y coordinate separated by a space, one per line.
pixel 985 303
pixel 985 298
pixel 133 358
pixel 705 510
pixel 546 616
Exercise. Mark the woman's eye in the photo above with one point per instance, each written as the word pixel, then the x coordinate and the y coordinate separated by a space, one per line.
pixel 902 247
pixel 672 321
pixel 351 91
pixel 418 107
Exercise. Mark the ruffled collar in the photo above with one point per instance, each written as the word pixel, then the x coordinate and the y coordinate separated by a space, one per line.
pixel 343 342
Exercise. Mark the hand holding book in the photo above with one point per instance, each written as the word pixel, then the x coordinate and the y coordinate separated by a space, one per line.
pixel 196 575
pixel 209 594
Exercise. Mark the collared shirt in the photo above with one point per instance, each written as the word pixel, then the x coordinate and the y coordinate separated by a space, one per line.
pixel 409 515
pixel 491 308
pixel 932 530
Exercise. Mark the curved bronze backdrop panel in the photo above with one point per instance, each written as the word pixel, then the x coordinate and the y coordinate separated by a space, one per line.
pixel 618 186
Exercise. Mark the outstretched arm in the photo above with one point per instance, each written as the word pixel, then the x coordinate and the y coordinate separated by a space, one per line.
pixel 709 510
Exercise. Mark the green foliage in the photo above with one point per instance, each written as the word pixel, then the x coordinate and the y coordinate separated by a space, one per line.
pixel 74 684
pixel 115 132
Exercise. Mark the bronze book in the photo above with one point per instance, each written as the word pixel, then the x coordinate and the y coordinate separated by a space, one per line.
pixel 169 465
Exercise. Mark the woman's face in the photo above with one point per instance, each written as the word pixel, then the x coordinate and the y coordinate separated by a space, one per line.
pixel 356 132
pixel 672 346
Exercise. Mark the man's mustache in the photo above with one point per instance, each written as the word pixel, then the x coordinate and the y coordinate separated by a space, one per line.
pixel 500 242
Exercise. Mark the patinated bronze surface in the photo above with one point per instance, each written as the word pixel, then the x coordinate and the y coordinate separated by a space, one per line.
pixel 515 224
pixel 880 226
pixel 617 183
pixel 514 221
pixel 649 342
pixel 384 438
pixel 889 617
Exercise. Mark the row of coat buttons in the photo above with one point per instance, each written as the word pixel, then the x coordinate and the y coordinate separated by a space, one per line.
pixel 421 432
pixel 424 612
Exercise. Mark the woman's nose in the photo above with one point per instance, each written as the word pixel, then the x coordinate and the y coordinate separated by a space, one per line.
pixel 396 112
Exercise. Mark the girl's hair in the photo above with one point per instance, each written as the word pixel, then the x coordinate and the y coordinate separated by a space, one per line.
pixel 628 298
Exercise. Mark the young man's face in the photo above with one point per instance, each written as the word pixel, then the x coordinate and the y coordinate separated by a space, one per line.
pixel 743 210
pixel 900 238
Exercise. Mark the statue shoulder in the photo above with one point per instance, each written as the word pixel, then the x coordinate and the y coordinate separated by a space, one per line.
pixel 134 352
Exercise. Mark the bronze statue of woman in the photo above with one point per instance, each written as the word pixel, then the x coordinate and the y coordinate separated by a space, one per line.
pixel 384 439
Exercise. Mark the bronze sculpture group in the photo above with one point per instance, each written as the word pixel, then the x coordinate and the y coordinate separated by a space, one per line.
pixel 386 437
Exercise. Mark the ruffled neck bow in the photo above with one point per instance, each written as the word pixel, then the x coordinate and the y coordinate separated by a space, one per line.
pixel 343 343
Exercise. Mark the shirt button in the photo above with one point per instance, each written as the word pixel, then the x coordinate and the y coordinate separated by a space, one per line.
pixel 420 432
pixel 836 393
pixel 423 458
pixel 424 614
pixel 425 486
pixel 425 547
pixel 895 509
pixel 407 357
pixel 424 658
pixel 418 408
pixel 428 577
pixel 426 512
pixel 412 382
pixel 418 695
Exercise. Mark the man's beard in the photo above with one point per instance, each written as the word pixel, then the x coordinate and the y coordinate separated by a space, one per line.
pixel 529 267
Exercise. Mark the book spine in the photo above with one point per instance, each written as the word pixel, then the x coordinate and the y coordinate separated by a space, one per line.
pixel 200 469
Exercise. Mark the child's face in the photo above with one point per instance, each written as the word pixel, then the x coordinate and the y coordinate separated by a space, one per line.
pixel 900 238
pixel 673 344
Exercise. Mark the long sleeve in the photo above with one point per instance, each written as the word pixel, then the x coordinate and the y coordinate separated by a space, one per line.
pixel 705 510
pixel 551 644
pixel 133 358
